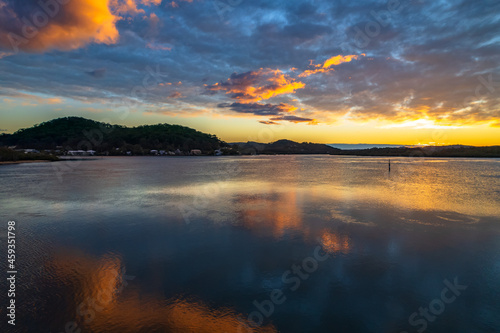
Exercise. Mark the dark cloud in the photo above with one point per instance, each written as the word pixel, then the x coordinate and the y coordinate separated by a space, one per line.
pixel 175 94
pixel 293 119
pixel 258 109
pixel 97 73
pixel 268 122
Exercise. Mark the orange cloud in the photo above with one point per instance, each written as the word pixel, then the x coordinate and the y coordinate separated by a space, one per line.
pixel 67 26
pixel 75 24
pixel 151 2
pixel 327 65
pixel 175 95
pixel 29 99
pixel 258 85
pixel 125 7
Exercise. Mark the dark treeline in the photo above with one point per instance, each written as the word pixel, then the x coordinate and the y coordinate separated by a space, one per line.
pixel 9 155
pixel 450 151
pixel 74 133
pixel 286 147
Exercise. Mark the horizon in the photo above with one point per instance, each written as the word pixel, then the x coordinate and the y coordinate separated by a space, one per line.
pixel 328 72
pixel 334 145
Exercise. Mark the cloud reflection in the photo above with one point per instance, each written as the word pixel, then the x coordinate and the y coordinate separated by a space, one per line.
pixel 103 303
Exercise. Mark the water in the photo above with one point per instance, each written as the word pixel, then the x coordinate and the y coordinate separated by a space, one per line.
pixel 254 244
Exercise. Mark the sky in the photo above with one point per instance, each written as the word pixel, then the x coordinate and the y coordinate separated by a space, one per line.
pixel 327 71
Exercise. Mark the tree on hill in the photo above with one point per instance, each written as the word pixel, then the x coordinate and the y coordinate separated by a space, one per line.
pixel 79 133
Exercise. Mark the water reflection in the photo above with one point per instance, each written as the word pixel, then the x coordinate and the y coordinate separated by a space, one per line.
pixel 270 213
pixel 104 301
pixel 392 241
pixel 334 243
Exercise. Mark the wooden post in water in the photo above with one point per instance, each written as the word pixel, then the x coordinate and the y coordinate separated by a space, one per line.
pixel 389 165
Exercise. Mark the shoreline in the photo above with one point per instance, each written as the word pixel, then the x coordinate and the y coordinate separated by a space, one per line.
pixel 24 161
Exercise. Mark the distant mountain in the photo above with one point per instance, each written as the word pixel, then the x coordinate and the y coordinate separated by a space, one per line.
pixel 349 146
pixel 72 133
pixel 285 147
pixel 428 151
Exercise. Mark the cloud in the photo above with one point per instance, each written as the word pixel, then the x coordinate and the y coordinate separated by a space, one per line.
pixel 294 119
pixel 151 2
pixel 73 25
pixel 276 112
pixel 97 73
pixel 5 54
pixel 28 99
pixel 258 85
pixel 38 26
pixel 420 67
pixel 268 122
pixel 154 46
pixel 125 7
pixel 175 95
pixel 259 109
pixel 327 65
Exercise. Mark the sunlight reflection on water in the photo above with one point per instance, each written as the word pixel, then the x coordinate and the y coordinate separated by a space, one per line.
pixel 206 237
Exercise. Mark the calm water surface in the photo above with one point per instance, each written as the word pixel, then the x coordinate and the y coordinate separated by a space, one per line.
pixel 254 244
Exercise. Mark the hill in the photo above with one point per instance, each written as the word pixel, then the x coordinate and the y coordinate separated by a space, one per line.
pixel 74 133
pixel 286 147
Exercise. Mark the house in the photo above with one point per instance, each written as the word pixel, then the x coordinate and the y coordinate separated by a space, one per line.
pixel 81 152
pixel 77 152
pixel 195 152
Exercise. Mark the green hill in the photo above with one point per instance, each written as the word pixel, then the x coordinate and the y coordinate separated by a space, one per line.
pixel 74 133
